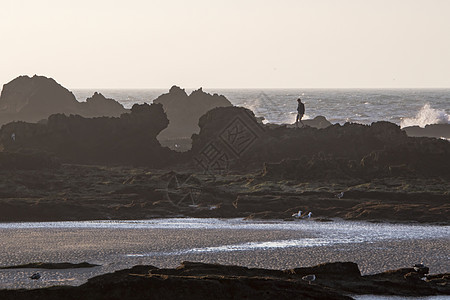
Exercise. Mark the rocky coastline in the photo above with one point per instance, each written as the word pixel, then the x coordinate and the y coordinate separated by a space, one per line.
pixel 78 163
pixel 191 280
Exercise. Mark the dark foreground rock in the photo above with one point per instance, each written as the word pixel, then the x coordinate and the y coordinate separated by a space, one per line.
pixel 192 280
pixel 41 265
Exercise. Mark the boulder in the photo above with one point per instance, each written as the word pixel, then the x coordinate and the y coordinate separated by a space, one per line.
pixel 227 136
pixel 318 122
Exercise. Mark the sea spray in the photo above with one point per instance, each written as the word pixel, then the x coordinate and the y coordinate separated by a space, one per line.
pixel 271 109
pixel 426 116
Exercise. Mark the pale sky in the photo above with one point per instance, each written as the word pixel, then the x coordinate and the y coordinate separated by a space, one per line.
pixel 228 44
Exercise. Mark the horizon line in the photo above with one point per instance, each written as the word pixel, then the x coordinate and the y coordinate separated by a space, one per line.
pixel 261 88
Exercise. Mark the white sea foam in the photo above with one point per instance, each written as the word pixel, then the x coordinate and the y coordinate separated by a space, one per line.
pixel 426 116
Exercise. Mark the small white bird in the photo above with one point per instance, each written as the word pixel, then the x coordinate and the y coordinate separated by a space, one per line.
pixel 35 276
pixel 13 136
pixel 297 214
pixel 309 215
pixel 340 195
pixel 309 278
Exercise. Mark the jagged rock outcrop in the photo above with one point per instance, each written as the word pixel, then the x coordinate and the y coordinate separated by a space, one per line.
pixel 184 111
pixel 32 99
pixel 35 98
pixel 130 139
pixel 100 106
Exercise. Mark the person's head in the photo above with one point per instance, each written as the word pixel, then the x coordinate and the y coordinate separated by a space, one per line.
pixel 299 100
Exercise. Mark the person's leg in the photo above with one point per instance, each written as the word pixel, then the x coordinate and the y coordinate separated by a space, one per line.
pixel 303 125
pixel 296 120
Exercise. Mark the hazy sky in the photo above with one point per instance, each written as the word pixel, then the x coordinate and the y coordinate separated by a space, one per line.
pixel 265 44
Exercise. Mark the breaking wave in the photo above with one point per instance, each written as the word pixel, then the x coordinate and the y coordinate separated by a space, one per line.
pixel 426 116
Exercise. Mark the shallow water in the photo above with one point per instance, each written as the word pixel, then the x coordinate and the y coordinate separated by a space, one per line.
pixel 167 242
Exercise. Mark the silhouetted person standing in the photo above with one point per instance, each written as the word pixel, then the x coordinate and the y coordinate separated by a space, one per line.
pixel 300 112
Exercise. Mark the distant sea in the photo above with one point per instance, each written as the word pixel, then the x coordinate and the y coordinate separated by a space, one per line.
pixel 405 107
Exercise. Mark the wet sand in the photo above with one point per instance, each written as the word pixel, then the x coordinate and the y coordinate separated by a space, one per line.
pixel 281 245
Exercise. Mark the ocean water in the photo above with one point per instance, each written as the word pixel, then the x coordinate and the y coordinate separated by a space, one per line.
pixel 404 107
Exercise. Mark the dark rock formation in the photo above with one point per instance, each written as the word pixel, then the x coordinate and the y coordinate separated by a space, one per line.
pixel 434 130
pixel 211 281
pixel 227 139
pixel 130 139
pixel 36 98
pixel 184 111
pixel 348 151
